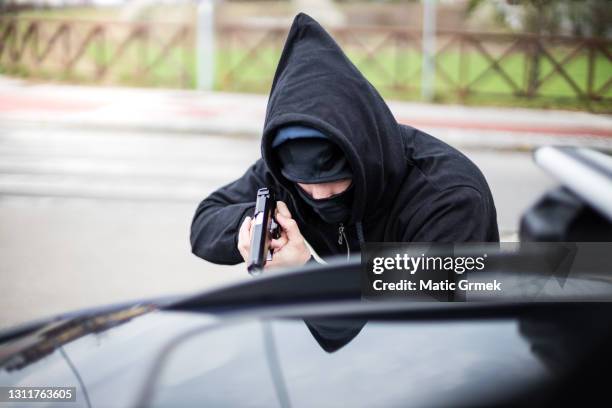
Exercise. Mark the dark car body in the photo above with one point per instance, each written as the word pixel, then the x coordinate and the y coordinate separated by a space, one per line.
pixel 252 345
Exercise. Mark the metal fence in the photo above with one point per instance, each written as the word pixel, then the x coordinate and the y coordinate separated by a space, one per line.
pixel 470 66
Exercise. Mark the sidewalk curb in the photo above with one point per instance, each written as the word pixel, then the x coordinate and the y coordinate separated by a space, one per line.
pixel 195 113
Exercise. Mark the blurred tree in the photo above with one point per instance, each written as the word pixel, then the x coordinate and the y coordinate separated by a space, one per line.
pixel 575 17
pixel 591 18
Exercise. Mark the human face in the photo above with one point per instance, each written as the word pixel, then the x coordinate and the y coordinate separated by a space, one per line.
pixel 320 191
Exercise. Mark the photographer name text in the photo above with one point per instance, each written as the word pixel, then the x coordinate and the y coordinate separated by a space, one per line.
pixel 431 285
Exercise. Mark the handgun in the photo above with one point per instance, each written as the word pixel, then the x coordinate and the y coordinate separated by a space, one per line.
pixel 264 229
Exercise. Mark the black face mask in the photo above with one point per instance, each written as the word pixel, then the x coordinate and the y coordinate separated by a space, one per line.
pixel 334 209
pixel 312 161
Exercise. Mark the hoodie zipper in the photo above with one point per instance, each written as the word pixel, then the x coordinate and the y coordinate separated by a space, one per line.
pixel 342 238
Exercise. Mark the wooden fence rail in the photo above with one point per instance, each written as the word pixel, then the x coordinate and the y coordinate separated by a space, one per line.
pixel 470 66
pixel 143 54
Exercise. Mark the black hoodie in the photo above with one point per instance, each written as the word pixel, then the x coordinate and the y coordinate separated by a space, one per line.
pixel 409 186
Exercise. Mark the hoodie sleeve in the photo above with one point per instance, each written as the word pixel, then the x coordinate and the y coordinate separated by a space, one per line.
pixel 458 214
pixel 215 225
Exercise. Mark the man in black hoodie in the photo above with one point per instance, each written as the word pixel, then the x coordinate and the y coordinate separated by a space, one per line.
pixel 394 183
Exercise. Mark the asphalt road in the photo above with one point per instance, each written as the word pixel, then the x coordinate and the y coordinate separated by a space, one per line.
pixel 90 218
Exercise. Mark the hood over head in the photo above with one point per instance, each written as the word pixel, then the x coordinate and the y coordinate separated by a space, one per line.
pixel 316 86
